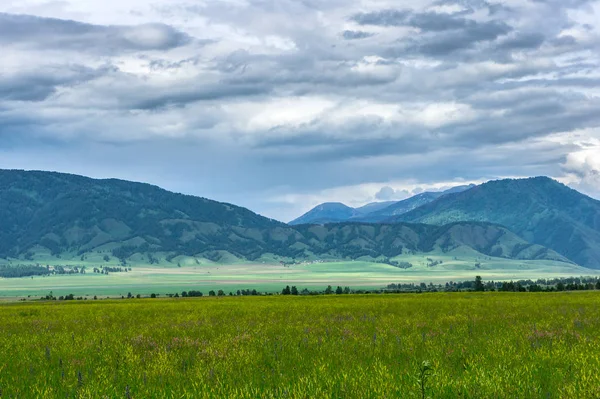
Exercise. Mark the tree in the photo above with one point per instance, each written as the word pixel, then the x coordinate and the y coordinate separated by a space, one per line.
pixel 152 295
pixel 286 290
pixel 346 290
pixel 294 290
pixel 129 296
pixel 211 293
pixel 339 290
pixel 328 290
pixel 221 293
pixel 106 258
pixel 479 284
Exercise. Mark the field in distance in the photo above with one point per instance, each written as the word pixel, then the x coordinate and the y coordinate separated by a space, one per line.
pixel 488 345
pixel 272 277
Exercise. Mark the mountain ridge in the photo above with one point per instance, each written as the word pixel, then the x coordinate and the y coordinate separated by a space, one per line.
pixel 60 215
pixel 374 212
pixel 539 209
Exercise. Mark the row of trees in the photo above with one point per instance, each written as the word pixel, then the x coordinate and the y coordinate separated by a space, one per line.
pixel 110 269
pixel 22 271
pixel 540 285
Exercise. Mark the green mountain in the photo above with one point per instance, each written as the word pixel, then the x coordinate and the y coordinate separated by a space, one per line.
pixel 391 240
pixel 328 212
pixel 400 207
pixel 58 216
pixel 336 212
pixel 540 210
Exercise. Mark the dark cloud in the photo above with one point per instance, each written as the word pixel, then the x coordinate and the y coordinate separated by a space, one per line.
pixel 59 34
pixel 434 22
pixel 180 96
pixel 383 17
pixel 354 34
pixel 564 3
pixel 431 21
pixel 444 43
pixel 40 83
pixel 566 40
pixel 523 41
pixel 442 33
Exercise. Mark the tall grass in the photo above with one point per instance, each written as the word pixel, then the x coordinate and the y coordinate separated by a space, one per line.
pixel 492 345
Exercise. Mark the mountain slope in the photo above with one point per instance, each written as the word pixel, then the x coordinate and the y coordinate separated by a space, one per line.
pixel 407 205
pixel 326 213
pixel 540 210
pixel 374 207
pixel 57 216
pixel 391 240
pixel 336 212
pixel 400 207
pixel 65 213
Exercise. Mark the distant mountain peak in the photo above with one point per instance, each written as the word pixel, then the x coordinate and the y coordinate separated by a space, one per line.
pixel 336 212
pixel 539 209
pixel 326 213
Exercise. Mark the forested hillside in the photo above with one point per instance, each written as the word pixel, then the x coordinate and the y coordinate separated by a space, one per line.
pixel 540 210
pixel 65 216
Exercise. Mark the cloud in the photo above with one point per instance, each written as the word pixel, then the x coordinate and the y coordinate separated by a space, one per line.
pixel 387 17
pixel 330 100
pixel 356 34
pixel 440 33
pixel 530 40
pixel 583 168
pixel 387 193
pixel 67 35
pixel 37 84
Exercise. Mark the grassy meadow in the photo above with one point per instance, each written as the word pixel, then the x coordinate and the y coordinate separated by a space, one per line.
pixel 271 276
pixel 478 345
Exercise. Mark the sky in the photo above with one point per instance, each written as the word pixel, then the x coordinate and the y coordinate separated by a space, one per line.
pixel 279 105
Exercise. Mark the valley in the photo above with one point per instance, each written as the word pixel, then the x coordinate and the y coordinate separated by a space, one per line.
pixel 272 277
pixel 74 235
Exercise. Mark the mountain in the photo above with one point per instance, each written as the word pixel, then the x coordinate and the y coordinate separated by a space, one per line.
pixel 336 212
pixel 327 213
pixel 69 213
pixel 400 207
pixel 49 216
pixel 390 240
pixel 540 210
pixel 407 205
pixel 374 207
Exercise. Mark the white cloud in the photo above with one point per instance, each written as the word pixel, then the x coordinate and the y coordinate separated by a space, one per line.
pixel 292 109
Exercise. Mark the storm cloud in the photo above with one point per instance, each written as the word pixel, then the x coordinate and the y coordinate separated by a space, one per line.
pixel 60 34
pixel 280 106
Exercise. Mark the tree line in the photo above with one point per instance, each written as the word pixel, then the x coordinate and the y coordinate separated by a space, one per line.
pixel 477 285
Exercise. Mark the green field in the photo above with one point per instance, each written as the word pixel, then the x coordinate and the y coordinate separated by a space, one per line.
pixel 168 278
pixel 489 345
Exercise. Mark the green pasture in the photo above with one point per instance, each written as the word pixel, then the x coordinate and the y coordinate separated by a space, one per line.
pixel 264 277
pixel 431 345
